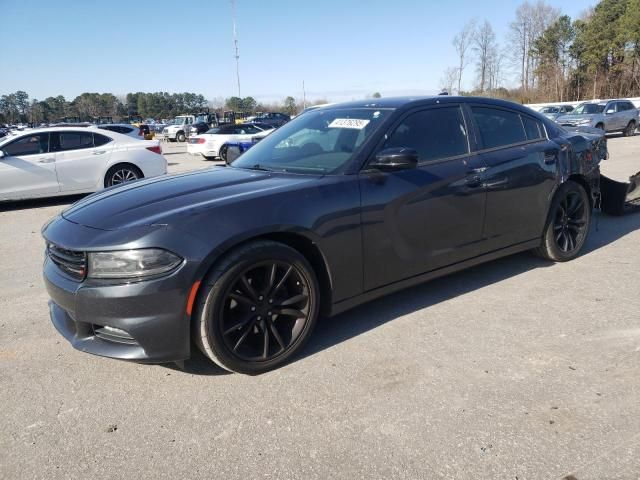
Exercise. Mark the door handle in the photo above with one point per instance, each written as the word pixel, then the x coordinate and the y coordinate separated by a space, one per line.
pixel 474 179
pixel 99 152
pixel 47 160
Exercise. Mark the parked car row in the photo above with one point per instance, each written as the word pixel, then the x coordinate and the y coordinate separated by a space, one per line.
pixel 618 115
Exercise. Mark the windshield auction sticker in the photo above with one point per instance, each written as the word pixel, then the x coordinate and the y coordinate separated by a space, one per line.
pixel 355 123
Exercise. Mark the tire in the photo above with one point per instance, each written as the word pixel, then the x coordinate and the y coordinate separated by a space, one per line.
pixel 567 225
pixel 235 322
pixel 223 153
pixel 180 137
pixel 600 126
pixel 122 173
pixel 630 130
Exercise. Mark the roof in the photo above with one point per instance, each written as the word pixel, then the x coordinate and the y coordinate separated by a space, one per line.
pixel 407 102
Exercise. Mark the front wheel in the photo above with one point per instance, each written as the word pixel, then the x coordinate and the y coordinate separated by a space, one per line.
pixel 257 308
pixel 180 137
pixel 568 224
pixel 630 130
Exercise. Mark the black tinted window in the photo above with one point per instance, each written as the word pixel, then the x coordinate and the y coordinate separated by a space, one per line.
pixel 436 133
pixel 99 140
pixel 75 140
pixel 532 128
pixel 29 145
pixel 498 127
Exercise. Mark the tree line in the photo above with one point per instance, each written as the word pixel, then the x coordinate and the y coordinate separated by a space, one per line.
pixel 551 56
pixel 18 107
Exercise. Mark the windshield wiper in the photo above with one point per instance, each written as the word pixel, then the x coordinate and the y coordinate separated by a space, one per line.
pixel 257 166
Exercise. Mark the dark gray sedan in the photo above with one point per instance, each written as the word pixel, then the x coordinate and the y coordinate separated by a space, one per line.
pixel 339 206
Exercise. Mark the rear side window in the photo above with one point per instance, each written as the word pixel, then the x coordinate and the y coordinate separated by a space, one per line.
pixel 99 140
pixel 28 145
pixel 532 128
pixel 435 134
pixel 75 140
pixel 498 128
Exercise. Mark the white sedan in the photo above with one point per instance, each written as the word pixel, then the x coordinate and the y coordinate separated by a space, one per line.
pixel 210 143
pixel 54 161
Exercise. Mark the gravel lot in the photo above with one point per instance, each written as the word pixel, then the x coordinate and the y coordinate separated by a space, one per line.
pixel 517 369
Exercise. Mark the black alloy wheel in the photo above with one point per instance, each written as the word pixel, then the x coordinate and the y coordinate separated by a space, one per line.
pixel 264 311
pixel 257 309
pixel 121 174
pixel 568 223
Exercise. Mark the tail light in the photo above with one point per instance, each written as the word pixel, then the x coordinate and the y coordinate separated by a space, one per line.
pixel 201 140
pixel 156 149
pixel 196 140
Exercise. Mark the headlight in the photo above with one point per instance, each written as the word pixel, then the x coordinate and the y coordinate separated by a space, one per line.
pixel 584 121
pixel 131 263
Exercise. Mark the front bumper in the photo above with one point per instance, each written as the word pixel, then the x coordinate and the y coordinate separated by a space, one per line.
pixel 152 313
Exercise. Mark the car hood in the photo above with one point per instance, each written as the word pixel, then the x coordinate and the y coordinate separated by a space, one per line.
pixel 575 118
pixel 165 200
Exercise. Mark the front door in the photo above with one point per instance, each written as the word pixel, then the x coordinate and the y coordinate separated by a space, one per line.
pixel 28 168
pixel 421 219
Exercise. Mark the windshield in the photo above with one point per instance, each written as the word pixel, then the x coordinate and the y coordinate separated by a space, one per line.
pixel 179 121
pixel 213 130
pixel 317 142
pixel 588 109
pixel 549 110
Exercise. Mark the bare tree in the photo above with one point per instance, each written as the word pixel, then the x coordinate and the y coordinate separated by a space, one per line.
pixel 462 41
pixel 484 42
pixel 448 80
pixel 530 22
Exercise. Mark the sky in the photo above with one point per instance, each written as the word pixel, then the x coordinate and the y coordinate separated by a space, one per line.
pixel 340 49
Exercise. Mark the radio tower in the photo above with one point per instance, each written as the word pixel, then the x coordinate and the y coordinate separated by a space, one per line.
pixel 235 44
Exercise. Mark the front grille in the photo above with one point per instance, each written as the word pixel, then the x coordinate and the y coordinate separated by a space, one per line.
pixel 71 262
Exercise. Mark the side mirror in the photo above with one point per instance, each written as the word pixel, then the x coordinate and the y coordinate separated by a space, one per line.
pixel 400 158
pixel 610 111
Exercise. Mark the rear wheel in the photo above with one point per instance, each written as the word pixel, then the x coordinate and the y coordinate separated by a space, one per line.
pixel 122 173
pixel 568 224
pixel 630 130
pixel 223 152
pixel 180 136
pixel 257 308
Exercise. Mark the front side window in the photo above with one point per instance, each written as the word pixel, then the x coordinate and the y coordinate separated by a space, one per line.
pixel 498 128
pixel 435 134
pixel 75 140
pixel 318 142
pixel 28 145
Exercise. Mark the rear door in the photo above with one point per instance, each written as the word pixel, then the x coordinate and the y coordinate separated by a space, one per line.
pixel 28 168
pixel 81 158
pixel 423 218
pixel 520 177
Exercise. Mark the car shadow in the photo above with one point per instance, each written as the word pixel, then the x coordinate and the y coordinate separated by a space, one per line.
pixel 40 202
pixel 198 364
pixel 335 330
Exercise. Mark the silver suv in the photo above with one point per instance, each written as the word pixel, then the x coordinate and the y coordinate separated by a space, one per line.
pixel 610 116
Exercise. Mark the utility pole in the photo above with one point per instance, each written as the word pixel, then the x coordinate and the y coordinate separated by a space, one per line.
pixel 304 97
pixel 235 43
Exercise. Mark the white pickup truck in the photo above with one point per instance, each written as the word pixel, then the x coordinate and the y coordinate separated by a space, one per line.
pixel 178 129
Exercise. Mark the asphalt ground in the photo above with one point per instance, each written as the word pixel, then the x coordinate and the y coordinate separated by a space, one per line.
pixel 516 369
